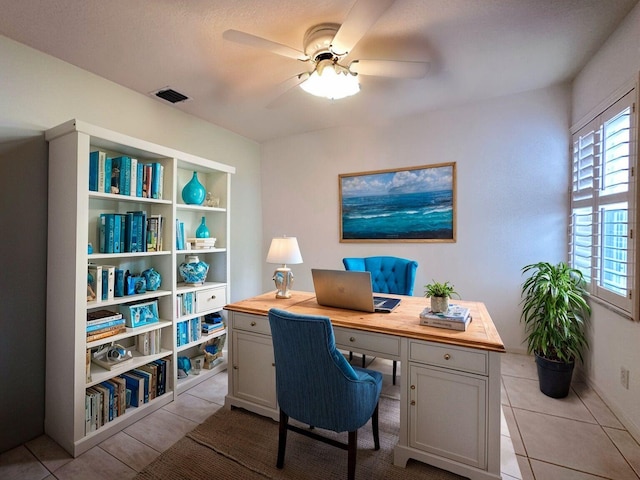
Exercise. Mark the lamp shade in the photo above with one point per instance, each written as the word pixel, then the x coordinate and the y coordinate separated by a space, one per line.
pixel 328 82
pixel 284 250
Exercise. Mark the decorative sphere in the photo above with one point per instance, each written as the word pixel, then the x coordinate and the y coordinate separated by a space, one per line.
pixel 193 271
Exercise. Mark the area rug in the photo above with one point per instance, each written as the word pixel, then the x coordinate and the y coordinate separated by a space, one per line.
pixel 237 444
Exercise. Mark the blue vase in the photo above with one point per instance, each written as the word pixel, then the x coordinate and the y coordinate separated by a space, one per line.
pixel 152 278
pixel 193 271
pixel 202 231
pixel 193 192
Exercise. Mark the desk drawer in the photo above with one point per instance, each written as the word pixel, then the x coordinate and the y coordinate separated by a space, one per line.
pixel 211 299
pixel 468 360
pixel 358 341
pixel 251 323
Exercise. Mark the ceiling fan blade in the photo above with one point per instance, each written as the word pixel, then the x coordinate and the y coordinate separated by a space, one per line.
pixel 285 87
pixel 360 18
pixel 264 44
pixel 390 68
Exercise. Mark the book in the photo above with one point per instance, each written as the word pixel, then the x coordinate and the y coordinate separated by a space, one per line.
pixel 96 159
pixel 455 318
pixel 99 316
pixel 106 333
pixel 96 328
pixel 108 282
pixel 136 385
pixel 106 233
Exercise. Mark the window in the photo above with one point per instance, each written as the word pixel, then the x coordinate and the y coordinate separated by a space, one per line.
pixel 602 245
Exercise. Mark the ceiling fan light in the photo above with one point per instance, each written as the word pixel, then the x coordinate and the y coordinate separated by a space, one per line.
pixel 328 83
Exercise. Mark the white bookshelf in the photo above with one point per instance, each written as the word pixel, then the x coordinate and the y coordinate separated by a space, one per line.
pixel 72 212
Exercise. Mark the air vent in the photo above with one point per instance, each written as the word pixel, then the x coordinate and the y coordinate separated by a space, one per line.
pixel 170 95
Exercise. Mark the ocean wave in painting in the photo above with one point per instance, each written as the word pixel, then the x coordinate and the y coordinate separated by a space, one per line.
pixel 418 215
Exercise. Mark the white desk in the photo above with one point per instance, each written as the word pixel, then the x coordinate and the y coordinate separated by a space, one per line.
pixel 450 388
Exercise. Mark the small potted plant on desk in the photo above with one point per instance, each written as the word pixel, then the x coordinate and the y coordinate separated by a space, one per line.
pixel 440 293
pixel 554 311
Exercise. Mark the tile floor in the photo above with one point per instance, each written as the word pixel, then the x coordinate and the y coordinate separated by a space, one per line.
pixel 597 447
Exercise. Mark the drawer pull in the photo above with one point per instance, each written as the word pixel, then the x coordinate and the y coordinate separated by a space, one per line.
pixel 413 387
pixel 235 367
pixel 253 324
pixel 447 356
pixel 413 402
pixel 213 297
pixel 352 339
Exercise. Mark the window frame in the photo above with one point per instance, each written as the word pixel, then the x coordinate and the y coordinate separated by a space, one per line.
pixel 588 204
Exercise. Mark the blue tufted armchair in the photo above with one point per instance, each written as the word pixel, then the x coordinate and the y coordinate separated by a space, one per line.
pixel 388 275
pixel 317 386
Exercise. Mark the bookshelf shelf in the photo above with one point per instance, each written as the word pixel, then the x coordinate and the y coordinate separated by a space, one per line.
pixel 74 222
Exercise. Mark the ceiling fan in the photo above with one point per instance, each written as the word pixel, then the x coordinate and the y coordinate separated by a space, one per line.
pixel 328 72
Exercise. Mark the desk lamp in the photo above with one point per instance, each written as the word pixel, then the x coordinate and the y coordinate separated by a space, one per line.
pixel 284 250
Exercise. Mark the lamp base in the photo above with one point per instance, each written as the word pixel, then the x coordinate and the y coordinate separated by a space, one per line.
pixel 283 279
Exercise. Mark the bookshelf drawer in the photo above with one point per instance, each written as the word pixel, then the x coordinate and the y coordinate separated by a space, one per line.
pixel 211 299
pixel 383 345
pixel 473 361
pixel 251 323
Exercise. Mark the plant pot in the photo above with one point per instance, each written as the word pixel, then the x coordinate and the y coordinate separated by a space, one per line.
pixel 554 377
pixel 439 304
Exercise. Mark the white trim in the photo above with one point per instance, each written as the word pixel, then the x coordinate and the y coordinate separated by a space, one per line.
pixel 616 95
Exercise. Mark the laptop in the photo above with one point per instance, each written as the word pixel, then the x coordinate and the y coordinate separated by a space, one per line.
pixel 351 290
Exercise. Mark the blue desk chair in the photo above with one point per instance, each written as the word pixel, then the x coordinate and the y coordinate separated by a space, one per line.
pixel 317 386
pixel 388 275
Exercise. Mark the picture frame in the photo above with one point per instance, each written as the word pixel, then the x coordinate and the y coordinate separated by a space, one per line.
pixel 139 314
pixel 411 204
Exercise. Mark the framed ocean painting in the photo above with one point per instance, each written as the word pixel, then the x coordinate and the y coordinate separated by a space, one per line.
pixel 413 204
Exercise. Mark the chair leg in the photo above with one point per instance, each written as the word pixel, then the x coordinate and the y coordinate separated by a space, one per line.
pixel 395 367
pixel 282 438
pixel 352 450
pixel 363 361
pixel 374 428
pixel 350 356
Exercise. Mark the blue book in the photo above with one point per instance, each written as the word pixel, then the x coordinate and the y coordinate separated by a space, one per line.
pixel 129 233
pixel 126 176
pixel 112 394
pixel 136 385
pixel 108 162
pixel 156 178
pixel 108 323
pixel 116 234
pixel 139 179
pixel 107 228
pixel 147 382
pixel 118 287
pixel 161 382
pixel 94 163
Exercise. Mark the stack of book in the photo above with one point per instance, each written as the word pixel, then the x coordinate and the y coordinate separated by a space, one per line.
pixel 209 328
pixel 202 243
pixel 104 323
pixel 455 318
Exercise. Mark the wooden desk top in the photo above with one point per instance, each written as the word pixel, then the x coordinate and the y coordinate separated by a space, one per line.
pixel 404 321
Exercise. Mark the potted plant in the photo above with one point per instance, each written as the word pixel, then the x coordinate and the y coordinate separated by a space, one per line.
pixel 440 293
pixel 555 312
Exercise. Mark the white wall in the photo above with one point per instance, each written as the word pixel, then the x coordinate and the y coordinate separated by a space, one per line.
pixel 512 170
pixel 39 92
pixel 615 340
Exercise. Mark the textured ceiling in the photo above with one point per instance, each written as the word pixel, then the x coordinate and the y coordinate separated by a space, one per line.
pixel 477 49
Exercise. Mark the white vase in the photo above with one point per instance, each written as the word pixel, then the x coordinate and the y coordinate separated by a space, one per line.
pixel 439 304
